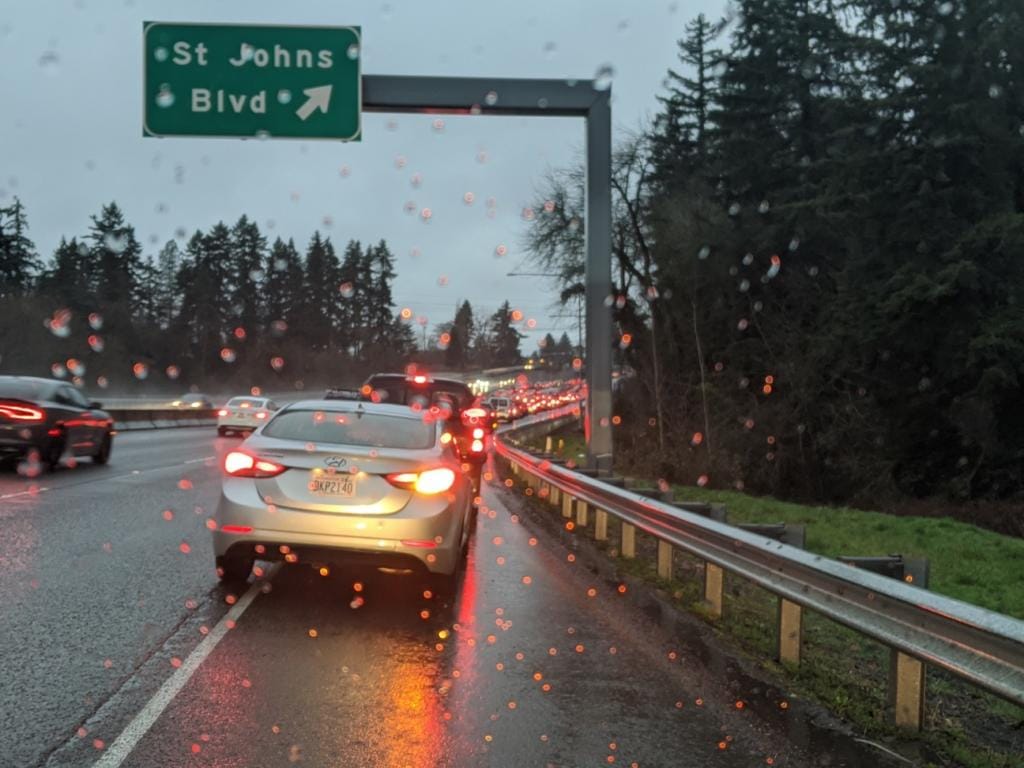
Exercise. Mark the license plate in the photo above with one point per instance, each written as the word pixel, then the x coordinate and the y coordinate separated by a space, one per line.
pixel 337 487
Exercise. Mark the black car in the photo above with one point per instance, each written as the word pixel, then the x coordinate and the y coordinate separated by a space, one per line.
pixel 471 424
pixel 44 419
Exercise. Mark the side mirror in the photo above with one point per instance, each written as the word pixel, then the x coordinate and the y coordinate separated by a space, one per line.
pixel 95 404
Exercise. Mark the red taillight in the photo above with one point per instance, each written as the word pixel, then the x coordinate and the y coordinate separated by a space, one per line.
pixel 22 412
pixel 478 434
pixel 427 482
pixel 477 446
pixel 474 413
pixel 236 528
pixel 261 415
pixel 238 464
pixel 421 543
pixel 222 412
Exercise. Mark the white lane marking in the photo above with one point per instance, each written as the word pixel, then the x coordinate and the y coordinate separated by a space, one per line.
pixel 196 461
pixel 23 493
pixel 140 725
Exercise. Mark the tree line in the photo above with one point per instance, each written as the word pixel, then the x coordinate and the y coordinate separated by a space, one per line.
pixel 224 309
pixel 819 252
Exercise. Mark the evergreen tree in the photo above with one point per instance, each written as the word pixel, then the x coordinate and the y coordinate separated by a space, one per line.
pixel 284 282
pixel 115 262
pixel 248 253
pixel 503 338
pixel 461 329
pixel 680 137
pixel 320 292
pixel 18 262
pixel 66 279
pixel 166 296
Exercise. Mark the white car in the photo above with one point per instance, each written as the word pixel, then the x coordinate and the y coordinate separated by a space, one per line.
pixel 244 414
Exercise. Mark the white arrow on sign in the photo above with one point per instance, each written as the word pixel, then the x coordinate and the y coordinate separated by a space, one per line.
pixel 319 98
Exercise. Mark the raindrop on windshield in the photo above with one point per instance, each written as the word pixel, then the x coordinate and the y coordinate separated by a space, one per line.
pixel 352 52
pixel 468 198
pixel 734 209
pixel 491 98
pixel 228 355
pixel 549 49
pixel 763 207
pixel 347 290
pixel 603 77
pixel 284 96
pixel 704 252
pixel 744 285
pixel 95 320
pixel 49 62
pixel 995 91
pixel 140 371
pixel 172 372
pixel 165 97
pixel 114 242
pixel 58 371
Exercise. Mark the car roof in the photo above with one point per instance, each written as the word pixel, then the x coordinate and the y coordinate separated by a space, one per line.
pixel 348 406
pixel 408 379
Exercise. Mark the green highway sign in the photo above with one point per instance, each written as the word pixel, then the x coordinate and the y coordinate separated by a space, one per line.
pixel 251 81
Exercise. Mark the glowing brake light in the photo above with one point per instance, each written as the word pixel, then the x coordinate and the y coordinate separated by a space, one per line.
pixel 428 482
pixel 222 412
pixel 478 434
pixel 477 446
pixel 236 528
pixel 419 379
pixel 21 412
pixel 238 464
pixel 261 415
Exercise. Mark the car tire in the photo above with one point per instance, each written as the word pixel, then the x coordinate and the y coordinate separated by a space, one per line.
pixel 53 454
pixel 102 456
pixel 234 570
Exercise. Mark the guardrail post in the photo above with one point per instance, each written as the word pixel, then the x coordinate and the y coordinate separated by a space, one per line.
pixel 600 525
pixel 554 495
pixel 906 690
pixel 714 586
pixel 628 543
pixel 791 625
pixel 664 560
pixel 547 444
pixel 566 505
pixel 581 513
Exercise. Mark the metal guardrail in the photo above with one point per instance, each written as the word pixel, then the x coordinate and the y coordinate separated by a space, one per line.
pixel 977 645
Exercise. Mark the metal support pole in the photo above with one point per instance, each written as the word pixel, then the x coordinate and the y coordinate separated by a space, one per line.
pixel 628 536
pixel 906 691
pixel 567 505
pixel 581 513
pixel 598 232
pixel 600 525
pixel 664 560
pixel 714 584
pixel 791 624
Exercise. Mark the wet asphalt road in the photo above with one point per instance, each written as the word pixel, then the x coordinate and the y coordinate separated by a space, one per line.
pixel 535 662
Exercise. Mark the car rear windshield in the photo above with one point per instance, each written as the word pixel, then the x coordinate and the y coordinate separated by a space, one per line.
pixel 399 392
pixel 245 402
pixel 351 428
pixel 24 390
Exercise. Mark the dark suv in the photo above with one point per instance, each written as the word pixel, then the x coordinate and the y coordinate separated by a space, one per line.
pixel 470 424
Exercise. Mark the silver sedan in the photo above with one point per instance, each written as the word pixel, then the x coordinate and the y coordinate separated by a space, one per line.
pixel 328 481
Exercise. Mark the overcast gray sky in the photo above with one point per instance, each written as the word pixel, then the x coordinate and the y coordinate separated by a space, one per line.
pixel 71 138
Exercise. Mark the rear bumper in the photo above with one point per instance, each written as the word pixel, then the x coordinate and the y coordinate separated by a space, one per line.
pixel 329 537
pixel 18 440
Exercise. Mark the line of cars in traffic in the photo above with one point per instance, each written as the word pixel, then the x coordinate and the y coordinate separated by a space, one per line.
pixel 387 475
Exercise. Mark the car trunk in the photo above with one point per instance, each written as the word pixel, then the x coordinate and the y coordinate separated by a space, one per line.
pixel 337 479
